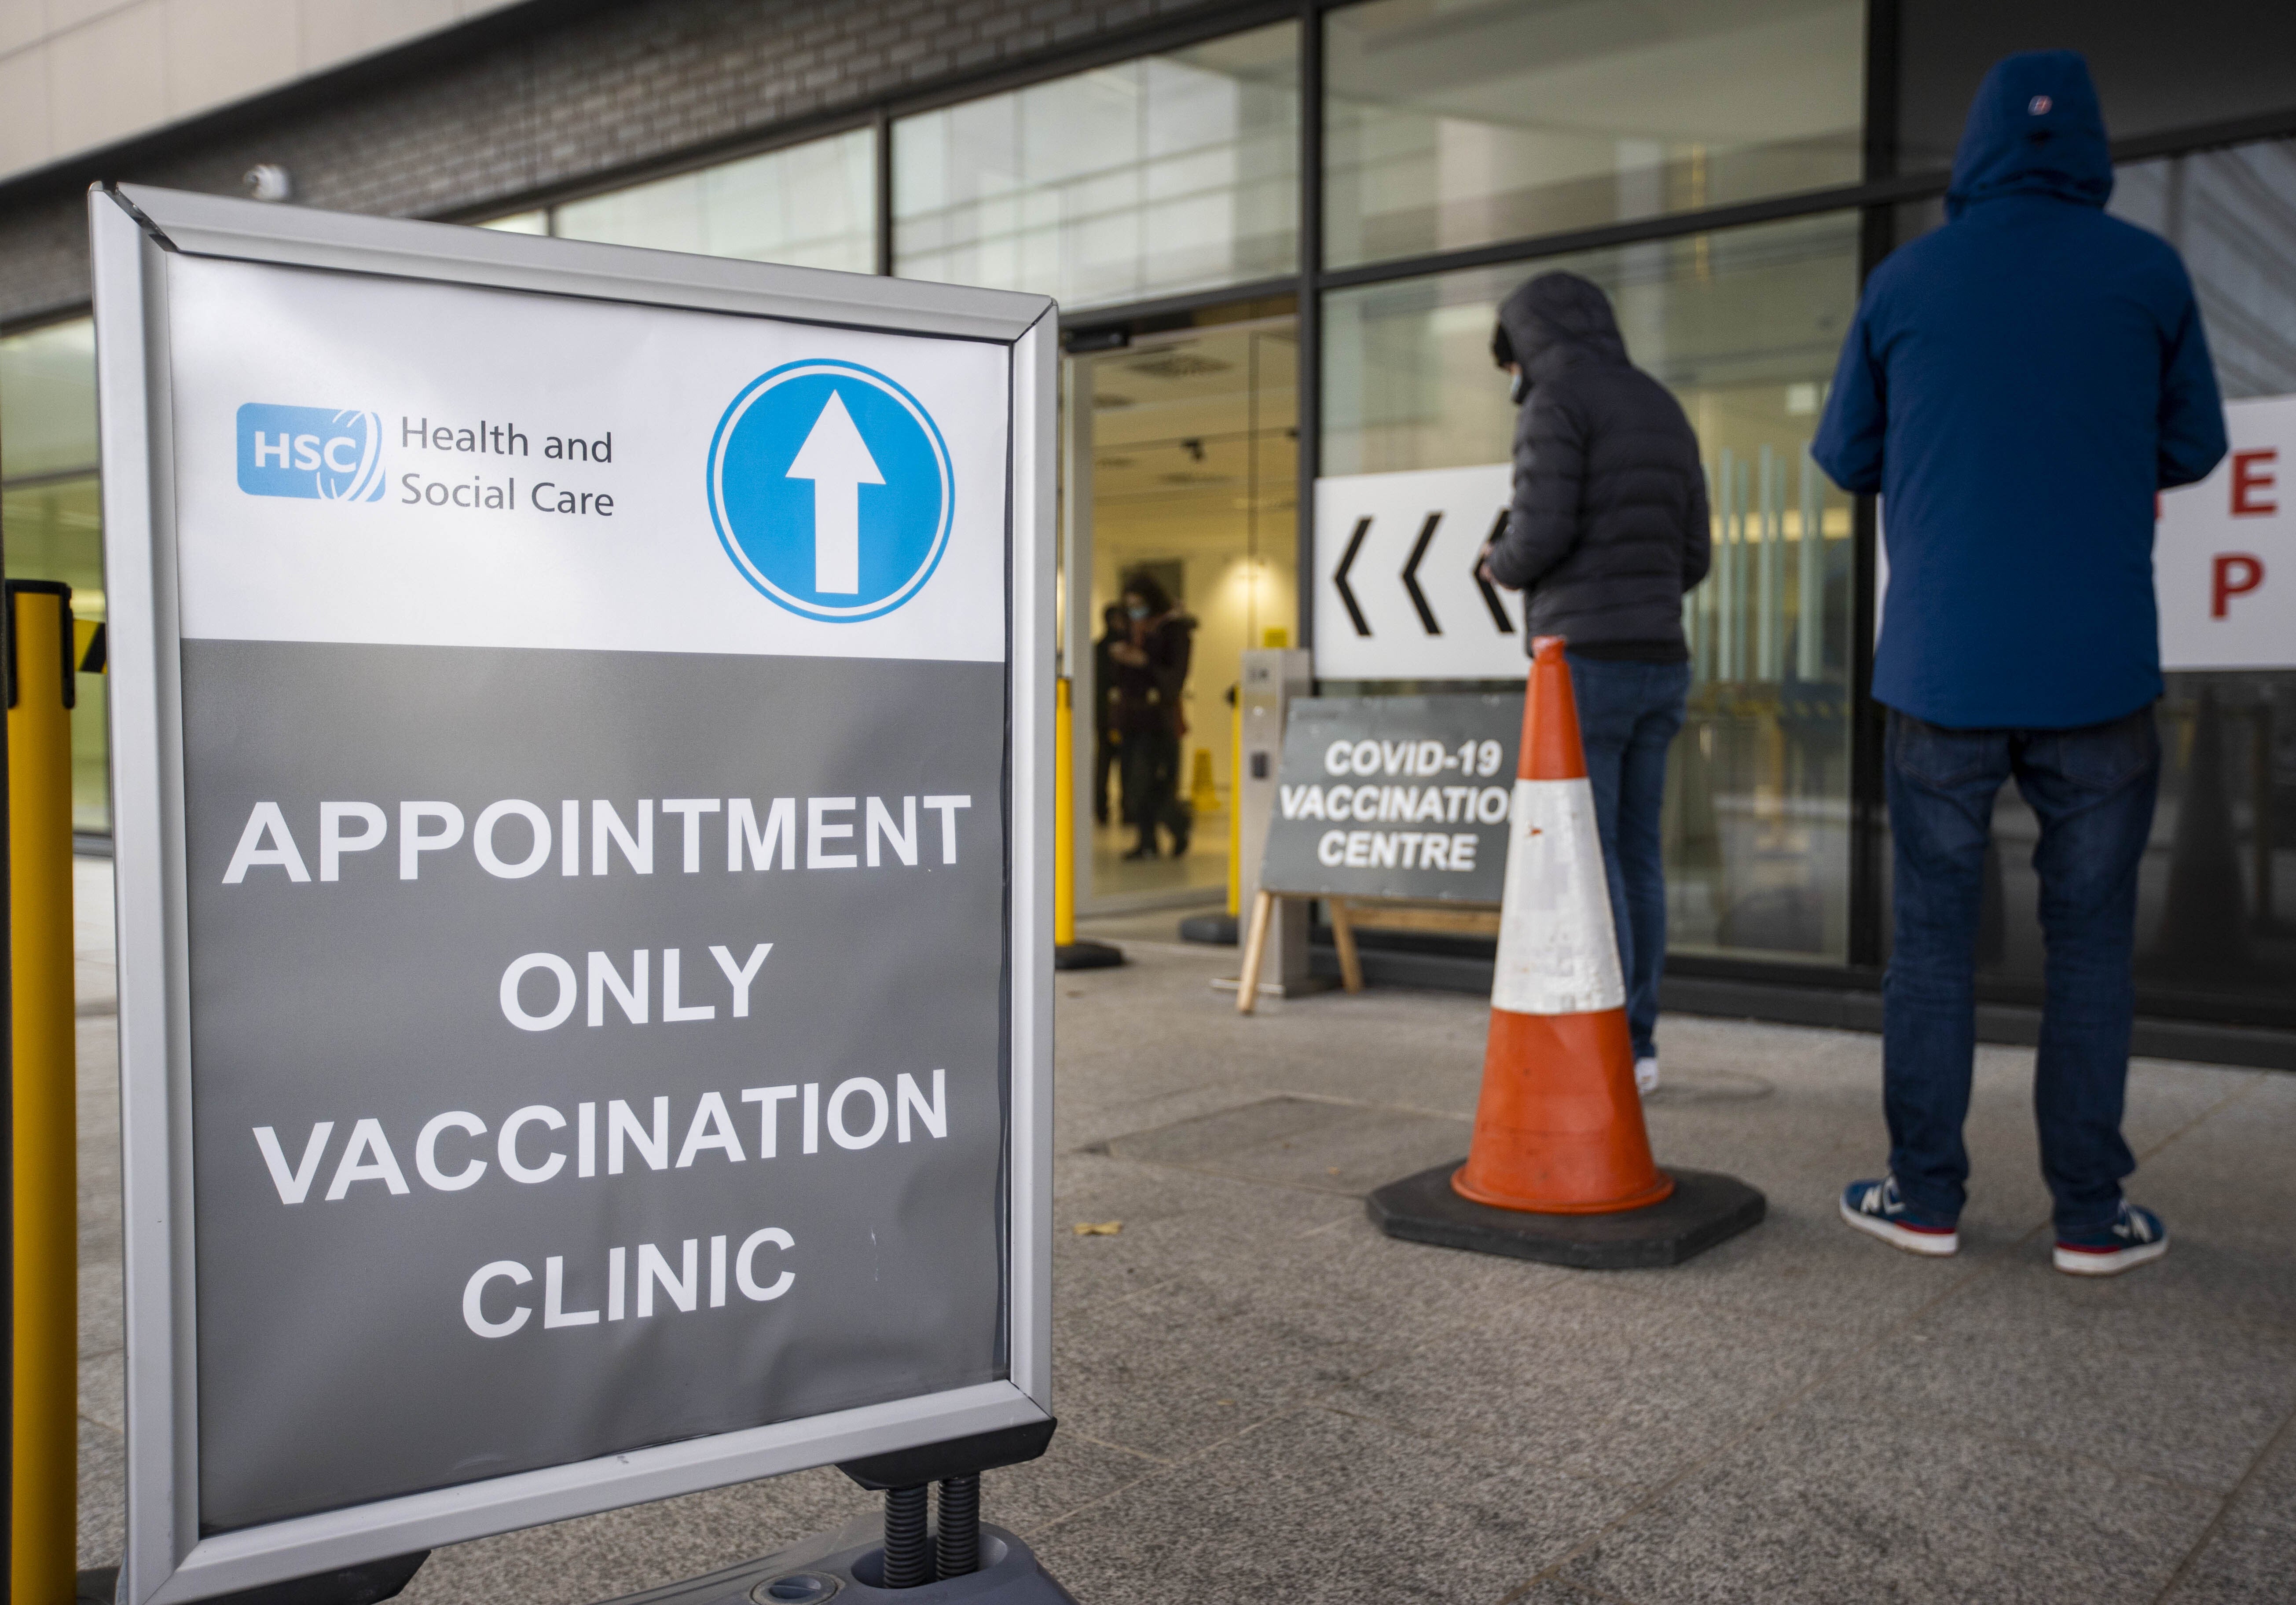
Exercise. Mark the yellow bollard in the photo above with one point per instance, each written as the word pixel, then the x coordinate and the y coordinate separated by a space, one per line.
pixel 1063 814
pixel 1067 953
pixel 1203 796
pixel 45 1451
pixel 1234 800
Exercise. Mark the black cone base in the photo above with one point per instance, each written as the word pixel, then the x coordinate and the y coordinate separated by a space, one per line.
pixel 1087 955
pixel 1703 1210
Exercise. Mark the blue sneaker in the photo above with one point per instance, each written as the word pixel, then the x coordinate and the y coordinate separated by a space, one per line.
pixel 1875 1208
pixel 2133 1237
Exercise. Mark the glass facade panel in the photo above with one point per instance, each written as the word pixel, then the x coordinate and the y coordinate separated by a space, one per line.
pixel 812 205
pixel 1452 123
pixel 1743 326
pixel 1172 173
pixel 51 511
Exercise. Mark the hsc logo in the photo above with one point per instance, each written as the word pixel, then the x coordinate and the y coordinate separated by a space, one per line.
pixel 311 452
pixel 831 489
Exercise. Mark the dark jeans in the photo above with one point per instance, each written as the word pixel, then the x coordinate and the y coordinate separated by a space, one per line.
pixel 1152 785
pixel 1628 715
pixel 1105 752
pixel 2092 789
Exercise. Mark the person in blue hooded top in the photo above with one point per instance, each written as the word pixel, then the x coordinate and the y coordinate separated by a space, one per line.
pixel 2018 386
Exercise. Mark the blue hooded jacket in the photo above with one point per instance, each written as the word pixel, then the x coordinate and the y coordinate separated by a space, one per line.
pixel 2018 385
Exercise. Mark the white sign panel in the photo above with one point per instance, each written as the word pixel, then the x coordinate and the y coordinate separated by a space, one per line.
pixel 1397 596
pixel 579 718
pixel 2224 561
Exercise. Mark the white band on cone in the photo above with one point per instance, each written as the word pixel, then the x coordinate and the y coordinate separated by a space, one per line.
pixel 1558 949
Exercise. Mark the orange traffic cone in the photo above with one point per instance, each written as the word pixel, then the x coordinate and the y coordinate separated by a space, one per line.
pixel 1559 1127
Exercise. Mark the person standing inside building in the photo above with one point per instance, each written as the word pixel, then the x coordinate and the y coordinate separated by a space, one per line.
pixel 2018 386
pixel 1106 745
pixel 1607 532
pixel 1152 669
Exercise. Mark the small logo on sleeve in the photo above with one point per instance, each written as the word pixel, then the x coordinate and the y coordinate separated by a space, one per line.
pixel 316 453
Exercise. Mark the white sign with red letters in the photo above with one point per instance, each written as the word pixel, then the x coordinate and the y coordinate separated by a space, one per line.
pixel 2224 560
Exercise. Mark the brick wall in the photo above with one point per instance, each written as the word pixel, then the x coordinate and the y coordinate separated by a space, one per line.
pixel 550 104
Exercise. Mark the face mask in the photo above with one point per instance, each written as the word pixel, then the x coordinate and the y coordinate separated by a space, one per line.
pixel 1136 611
pixel 1519 388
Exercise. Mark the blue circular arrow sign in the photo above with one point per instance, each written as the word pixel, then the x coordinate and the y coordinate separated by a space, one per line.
pixel 831 489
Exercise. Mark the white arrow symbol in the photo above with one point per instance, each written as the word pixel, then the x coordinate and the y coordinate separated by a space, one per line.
pixel 836 459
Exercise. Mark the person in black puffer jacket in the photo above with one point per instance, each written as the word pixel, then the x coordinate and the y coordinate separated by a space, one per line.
pixel 1608 531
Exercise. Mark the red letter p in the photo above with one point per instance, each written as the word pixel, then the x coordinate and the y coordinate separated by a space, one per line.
pixel 2237 574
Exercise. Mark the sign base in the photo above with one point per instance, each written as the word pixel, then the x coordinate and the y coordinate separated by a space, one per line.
pixel 1306 986
pixel 1087 955
pixel 838 1566
pixel 1214 931
pixel 1704 1209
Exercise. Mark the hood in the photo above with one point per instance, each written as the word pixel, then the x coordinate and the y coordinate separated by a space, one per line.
pixel 2034 129
pixel 1558 314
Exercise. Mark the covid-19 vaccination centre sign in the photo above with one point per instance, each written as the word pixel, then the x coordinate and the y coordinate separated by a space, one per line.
pixel 581 722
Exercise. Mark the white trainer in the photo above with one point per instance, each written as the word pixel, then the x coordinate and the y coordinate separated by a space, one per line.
pixel 1647 1076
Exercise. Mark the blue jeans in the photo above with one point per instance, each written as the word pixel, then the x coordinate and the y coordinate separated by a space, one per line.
pixel 2092 789
pixel 1628 716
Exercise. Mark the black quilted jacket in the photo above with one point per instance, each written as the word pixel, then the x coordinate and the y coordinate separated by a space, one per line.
pixel 1610 522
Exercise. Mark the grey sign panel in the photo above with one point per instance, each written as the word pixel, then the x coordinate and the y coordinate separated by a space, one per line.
pixel 581 725
pixel 1402 797
pixel 337 1362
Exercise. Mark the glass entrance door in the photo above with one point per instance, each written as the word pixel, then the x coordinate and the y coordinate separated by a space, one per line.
pixel 1183 455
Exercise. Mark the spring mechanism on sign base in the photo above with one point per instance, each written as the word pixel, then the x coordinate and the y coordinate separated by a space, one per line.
pixel 960 1526
pixel 908 1560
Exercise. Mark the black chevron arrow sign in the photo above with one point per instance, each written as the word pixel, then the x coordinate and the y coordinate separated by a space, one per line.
pixel 1411 574
pixel 1340 577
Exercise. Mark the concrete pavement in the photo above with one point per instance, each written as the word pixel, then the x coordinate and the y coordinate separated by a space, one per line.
pixel 1261 1397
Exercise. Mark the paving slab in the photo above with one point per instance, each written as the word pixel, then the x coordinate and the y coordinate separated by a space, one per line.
pixel 2122 1369
pixel 103 1494
pixel 1318 1507
pixel 1618 1388
pixel 2240 1564
pixel 1833 1501
pixel 2268 1496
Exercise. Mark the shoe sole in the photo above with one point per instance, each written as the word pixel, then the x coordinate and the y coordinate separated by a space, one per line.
pixel 2083 1262
pixel 1935 1245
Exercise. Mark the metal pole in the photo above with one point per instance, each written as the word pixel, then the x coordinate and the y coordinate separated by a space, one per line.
pixel 957 1544
pixel 43 1481
pixel 1809 596
pixel 908 1557
pixel 1768 573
